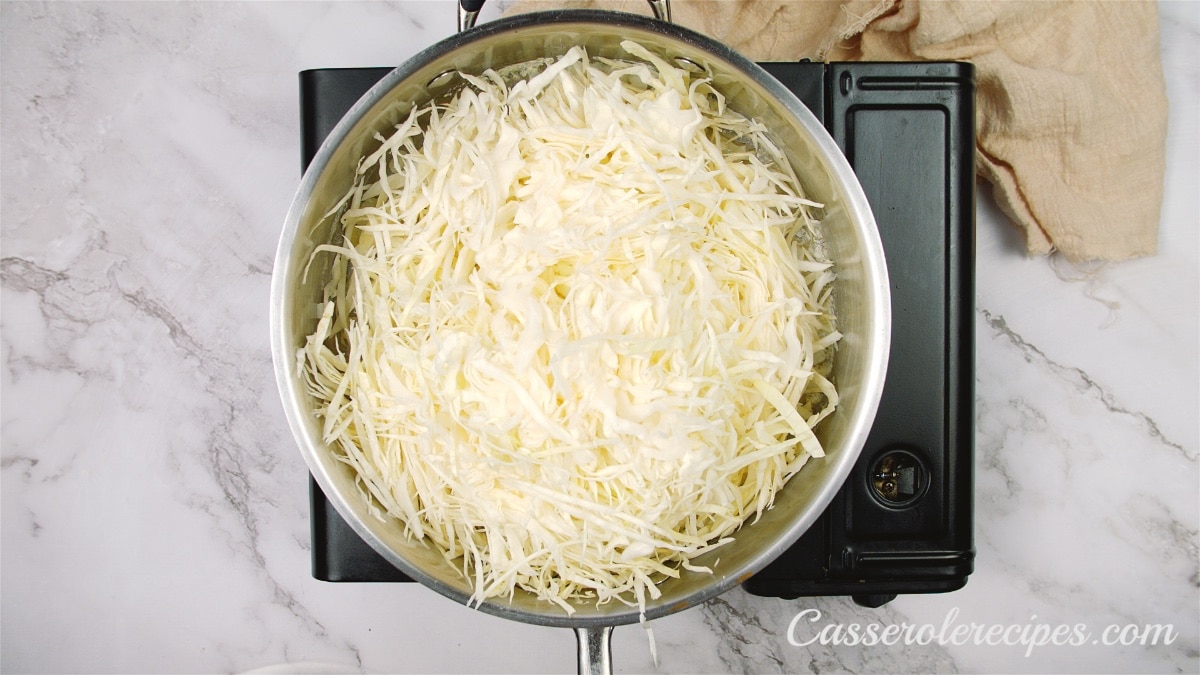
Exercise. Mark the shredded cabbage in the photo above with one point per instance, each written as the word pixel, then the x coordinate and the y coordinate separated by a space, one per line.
pixel 578 331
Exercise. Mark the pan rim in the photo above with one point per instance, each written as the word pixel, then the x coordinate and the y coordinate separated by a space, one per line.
pixel 284 345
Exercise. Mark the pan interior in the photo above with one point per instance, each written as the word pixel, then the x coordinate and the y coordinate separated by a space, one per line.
pixel 848 230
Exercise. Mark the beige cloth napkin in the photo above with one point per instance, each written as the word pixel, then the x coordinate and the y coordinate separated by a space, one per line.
pixel 1071 105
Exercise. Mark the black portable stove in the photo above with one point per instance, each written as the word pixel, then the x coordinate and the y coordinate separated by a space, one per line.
pixel 902 522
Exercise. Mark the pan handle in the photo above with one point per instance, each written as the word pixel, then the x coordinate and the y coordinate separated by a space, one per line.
pixel 468 12
pixel 661 9
pixel 595 650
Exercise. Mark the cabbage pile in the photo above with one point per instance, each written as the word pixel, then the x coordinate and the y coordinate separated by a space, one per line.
pixel 579 329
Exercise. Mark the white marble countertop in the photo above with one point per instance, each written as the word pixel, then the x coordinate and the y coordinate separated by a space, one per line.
pixel 155 512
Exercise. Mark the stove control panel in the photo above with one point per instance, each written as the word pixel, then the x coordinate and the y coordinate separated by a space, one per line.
pixel 903 521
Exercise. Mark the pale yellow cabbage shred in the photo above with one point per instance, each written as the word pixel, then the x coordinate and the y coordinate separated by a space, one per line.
pixel 583 335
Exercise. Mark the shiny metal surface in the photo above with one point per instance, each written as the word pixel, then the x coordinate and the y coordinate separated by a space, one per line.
pixel 468 12
pixel 595 649
pixel 851 240
pixel 661 9
pixel 466 18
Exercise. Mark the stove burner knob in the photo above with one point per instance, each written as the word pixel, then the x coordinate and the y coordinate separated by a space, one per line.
pixel 898 478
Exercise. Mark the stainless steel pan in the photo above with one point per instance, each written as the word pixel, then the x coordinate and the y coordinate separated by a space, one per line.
pixel 852 242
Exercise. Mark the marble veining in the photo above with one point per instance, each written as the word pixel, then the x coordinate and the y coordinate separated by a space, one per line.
pixel 155 514
pixel 1081 381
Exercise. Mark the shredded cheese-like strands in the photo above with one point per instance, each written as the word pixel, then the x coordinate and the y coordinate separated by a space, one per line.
pixel 578 332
